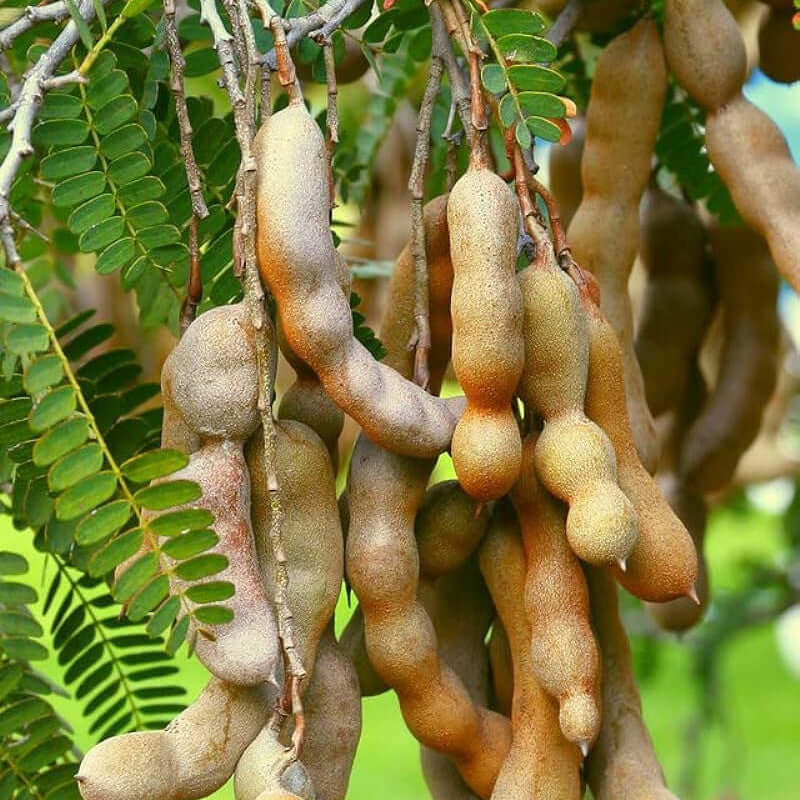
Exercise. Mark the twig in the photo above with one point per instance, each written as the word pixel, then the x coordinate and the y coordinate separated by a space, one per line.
pixel 194 283
pixel 565 21
pixel 459 90
pixel 33 15
pixel 284 64
pixel 332 114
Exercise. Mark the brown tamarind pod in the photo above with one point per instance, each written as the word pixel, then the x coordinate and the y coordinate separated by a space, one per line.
pixel 563 654
pixel 779 55
pixel 622 123
pixel 191 758
pixel 541 763
pixel 332 705
pixel 663 563
pixel 355 648
pixel 502 669
pixel 565 171
pixel 488 349
pixel 748 290
pixel 622 762
pixel 679 297
pixel 575 460
pixel 297 260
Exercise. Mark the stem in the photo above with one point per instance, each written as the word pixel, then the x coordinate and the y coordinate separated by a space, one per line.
pixel 92 55
pixel 565 22
pixel 332 115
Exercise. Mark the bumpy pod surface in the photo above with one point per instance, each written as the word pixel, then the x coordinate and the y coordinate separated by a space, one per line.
pixel 191 758
pixel 778 46
pixel 310 529
pixel 565 172
pixel 298 262
pixel 541 764
pixel 500 662
pixel 622 764
pixel 663 563
pixel 563 654
pixel 748 289
pixel 266 767
pixel 488 350
pixel 574 458
pixel 678 299
pixel 622 124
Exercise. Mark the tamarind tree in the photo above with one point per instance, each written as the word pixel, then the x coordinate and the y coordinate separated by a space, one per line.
pixel 432 212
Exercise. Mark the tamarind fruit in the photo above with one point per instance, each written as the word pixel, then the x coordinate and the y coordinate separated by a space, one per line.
pixel 297 261
pixel 501 667
pixel 574 458
pixel 354 646
pixel 778 46
pixel 679 296
pixel 748 290
pixel 488 349
pixel 622 123
pixel 563 654
pixel 622 762
pixel 191 758
pixel 663 563
pixel 541 762
pixel 564 168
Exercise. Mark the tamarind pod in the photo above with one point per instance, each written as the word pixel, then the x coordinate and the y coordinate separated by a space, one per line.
pixel 488 349
pixel 191 758
pixel 541 763
pixel 622 123
pixel 565 171
pixel 779 57
pixel 685 612
pixel 748 287
pixel 297 260
pixel 501 667
pixel 622 763
pixel 310 529
pixel 383 568
pixel 663 563
pixel 765 460
pixel 448 527
pixel 562 652
pixel 574 458
pixel 354 646
pixel 679 296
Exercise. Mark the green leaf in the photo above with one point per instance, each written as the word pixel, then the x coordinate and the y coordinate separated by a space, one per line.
pixel 523 48
pixel 46 753
pixel 542 104
pixel 11 282
pixel 81 24
pixel 88 339
pixel 168 495
pixel 15 410
pixel 115 113
pixel 134 577
pixel 201 567
pixel 159 236
pixel 14 433
pixel 508 111
pixel 15 623
pixel 190 544
pixel 164 617
pixel 12 563
pixel 115 256
pixel 177 522
pixel 91 212
pixel 52 408
pixel 523 136
pixel 129 167
pixel 60 105
pixel 60 132
pixel 493 78
pixel 86 495
pixel 201 62
pixel 10 677
pixel 147 188
pixel 103 90
pixel 17 716
pixel 211 592
pixel 156 464
pixel 535 78
pixel 543 128
pixel 147 214
pixel 178 636
pixel 16 309
pixel 148 598
pixel 65 163
pixel 60 441
pixel 134 7
pixel 74 467
pixel 123 140
pixel 78 189
pixel 118 550
pixel 102 522
pixel 503 21
pixel 213 615
pixel 31 338
pixel 101 235
pixel 23 649
pixel 17 594
pixel 42 373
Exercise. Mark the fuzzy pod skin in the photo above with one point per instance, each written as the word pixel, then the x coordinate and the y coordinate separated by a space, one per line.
pixel 332 706
pixel 563 654
pixel 500 662
pixel 385 493
pixel 663 564
pixel 449 526
pixel 297 260
pixel 622 123
pixel 748 288
pixel 622 763
pixel 565 172
pixel 310 529
pixel 488 349
pixel 191 758
pixel 574 458
pixel 679 298
pixel 541 764
pixel 354 646
pixel 779 55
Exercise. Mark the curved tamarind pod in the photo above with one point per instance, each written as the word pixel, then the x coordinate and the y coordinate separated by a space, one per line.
pixel 267 767
pixel 779 56
pixel 679 297
pixel 382 565
pixel 574 457
pixel 502 669
pixel 563 654
pixel 332 706
pixel 488 349
pixel 448 527
pixel 541 763
pixel 297 260
pixel 310 529
pixel 565 171
pixel 622 124
pixel 748 288
pixel 191 758
pixel 622 762
pixel 663 563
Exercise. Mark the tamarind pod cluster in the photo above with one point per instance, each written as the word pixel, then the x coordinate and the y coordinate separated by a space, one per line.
pixel 779 56
pixel 748 289
pixel 354 646
pixel 332 705
pixel 297 260
pixel 563 654
pixel 565 171
pixel 663 563
pixel 500 663
pixel 488 349
pixel 678 299
pixel 385 492
pixel 622 763
pixel 622 123
pixel 191 758
pixel 541 763
pixel 575 460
